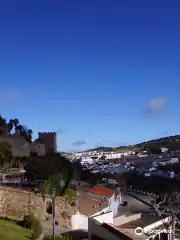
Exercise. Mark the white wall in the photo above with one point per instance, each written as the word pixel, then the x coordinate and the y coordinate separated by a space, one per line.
pixel 125 219
pixel 107 209
pixel 79 221
pixel 105 218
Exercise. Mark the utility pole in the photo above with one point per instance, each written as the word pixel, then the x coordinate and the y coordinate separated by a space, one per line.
pixel 62 184
pixel 29 202
pixel 53 210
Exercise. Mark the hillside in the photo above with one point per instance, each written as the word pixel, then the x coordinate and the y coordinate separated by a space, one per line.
pixel 171 142
pixel 104 149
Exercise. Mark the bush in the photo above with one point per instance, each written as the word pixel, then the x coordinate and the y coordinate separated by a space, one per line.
pixel 34 224
pixel 27 221
pixel 70 193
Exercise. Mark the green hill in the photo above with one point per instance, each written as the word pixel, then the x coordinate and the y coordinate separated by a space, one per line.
pixel 104 149
pixel 171 142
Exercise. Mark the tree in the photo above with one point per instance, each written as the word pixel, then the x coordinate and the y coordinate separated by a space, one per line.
pixel 30 133
pixel 168 205
pixel 124 179
pixel 55 182
pixel 10 126
pixel 20 162
pixel 2 125
pixel 16 122
pixel 6 157
pixel 46 166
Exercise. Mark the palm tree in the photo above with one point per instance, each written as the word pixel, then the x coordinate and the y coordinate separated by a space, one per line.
pixel 22 132
pixel 2 125
pixel 2 121
pixel 15 122
pixel 30 132
pixel 10 125
pixel 20 128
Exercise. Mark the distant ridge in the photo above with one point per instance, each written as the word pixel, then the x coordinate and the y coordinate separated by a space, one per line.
pixel 171 142
pixel 105 149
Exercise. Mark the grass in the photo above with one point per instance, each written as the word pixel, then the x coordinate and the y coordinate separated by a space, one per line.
pixel 12 231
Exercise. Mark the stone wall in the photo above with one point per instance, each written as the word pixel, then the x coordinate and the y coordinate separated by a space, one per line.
pixel 15 203
pixel 38 148
pixel 20 147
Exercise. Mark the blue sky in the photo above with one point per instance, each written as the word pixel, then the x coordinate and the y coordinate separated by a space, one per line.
pixel 101 72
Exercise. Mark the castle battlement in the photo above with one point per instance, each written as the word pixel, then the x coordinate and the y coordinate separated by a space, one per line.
pixel 49 139
pixel 47 133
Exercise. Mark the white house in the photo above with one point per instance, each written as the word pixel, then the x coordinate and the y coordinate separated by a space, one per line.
pixel 121 219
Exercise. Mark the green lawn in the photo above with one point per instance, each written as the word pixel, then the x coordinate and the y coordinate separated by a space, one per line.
pixel 11 231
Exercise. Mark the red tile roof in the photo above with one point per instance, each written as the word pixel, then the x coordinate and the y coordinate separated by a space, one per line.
pixel 102 191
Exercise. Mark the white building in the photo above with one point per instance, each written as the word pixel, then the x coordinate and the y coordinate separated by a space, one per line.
pixel 116 221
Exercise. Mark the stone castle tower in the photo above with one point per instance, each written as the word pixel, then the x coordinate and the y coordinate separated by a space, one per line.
pixel 49 139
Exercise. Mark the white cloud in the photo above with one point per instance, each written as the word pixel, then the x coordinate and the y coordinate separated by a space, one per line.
pixel 155 105
pixel 79 143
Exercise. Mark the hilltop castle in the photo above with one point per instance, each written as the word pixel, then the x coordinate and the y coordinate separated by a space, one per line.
pixel 44 144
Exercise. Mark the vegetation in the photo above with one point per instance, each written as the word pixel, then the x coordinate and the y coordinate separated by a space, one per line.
pixel 33 223
pixel 12 231
pixel 152 184
pixel 171 142
pixel 125 179
pixel 168 205
pixel 6 157
pixel 13 126
pixel 55 182
pixel 104 149
pixel 42 168
pixel 171 167
pixel 154 146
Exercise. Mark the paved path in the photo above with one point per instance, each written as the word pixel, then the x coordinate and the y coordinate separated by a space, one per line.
pixel 144 198
pixel 47 230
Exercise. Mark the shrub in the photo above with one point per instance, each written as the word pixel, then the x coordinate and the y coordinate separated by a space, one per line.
pixel 27 221
pixel 34 224
pixel 70 193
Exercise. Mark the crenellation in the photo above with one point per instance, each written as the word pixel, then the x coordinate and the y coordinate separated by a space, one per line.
pixel 49 139
pixel 47 133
